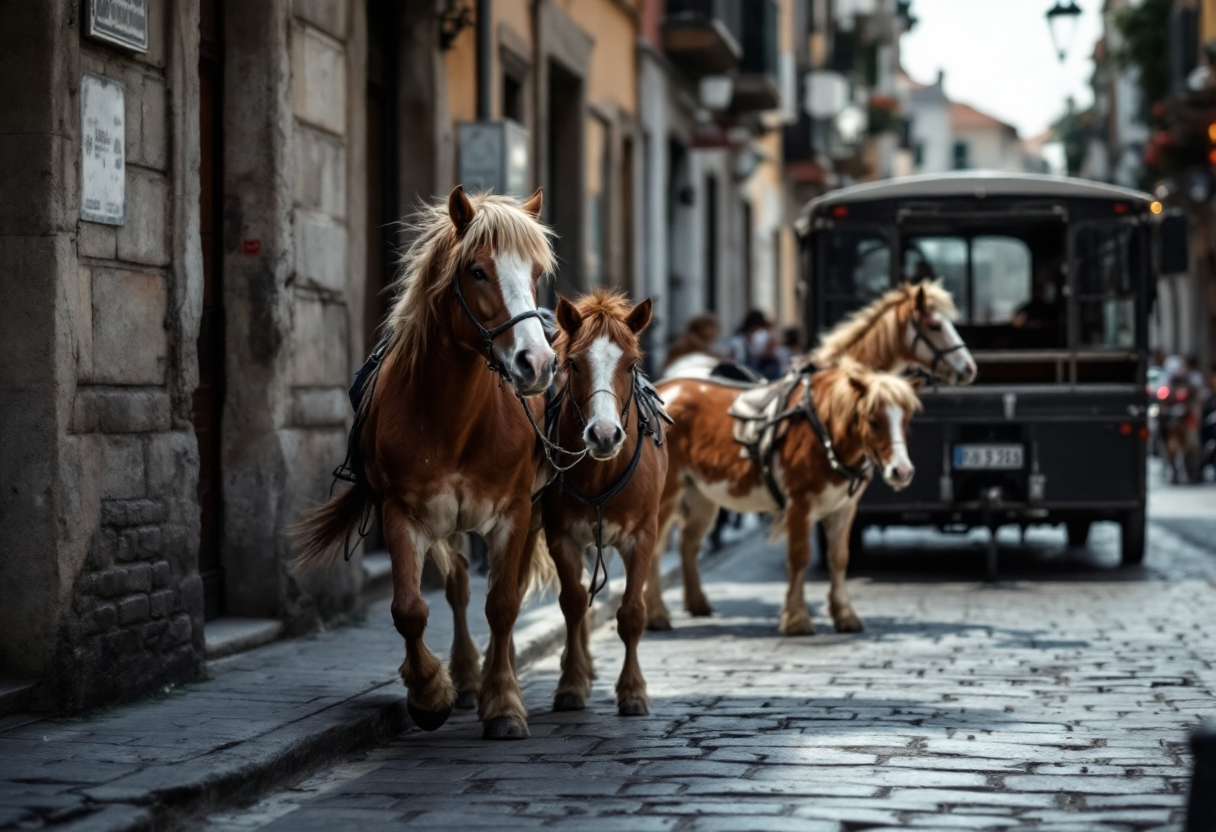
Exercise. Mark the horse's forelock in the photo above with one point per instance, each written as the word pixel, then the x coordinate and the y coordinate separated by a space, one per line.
pixel 603 313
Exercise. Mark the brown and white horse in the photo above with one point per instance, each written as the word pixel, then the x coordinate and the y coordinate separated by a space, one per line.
pixel 446 447
pixel 606 410
pixel 864 416
pixel 909 327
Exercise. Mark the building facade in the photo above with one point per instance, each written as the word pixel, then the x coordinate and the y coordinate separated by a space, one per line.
pixel 201 205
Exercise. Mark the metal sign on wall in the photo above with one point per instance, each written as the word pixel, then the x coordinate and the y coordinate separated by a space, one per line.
pixel 120 22
pixel 103 170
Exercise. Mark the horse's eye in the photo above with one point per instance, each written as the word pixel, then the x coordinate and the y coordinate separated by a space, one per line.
pixel 875 424
pixel 934 327
pixel 573 364
pixel 479 274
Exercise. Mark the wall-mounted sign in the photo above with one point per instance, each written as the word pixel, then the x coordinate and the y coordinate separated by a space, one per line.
pixel 494 156
pixel 103 147
pixel 120 22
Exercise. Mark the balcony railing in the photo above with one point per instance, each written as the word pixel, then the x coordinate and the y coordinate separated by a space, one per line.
pixel 756 86
pixel 703 37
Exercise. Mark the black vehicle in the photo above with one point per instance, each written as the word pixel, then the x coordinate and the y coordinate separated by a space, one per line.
pixel 1054 279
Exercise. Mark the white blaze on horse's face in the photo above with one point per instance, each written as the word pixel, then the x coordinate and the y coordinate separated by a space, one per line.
pixel 523 350
pixel 945 347
pixel 897 468
pixel 603 434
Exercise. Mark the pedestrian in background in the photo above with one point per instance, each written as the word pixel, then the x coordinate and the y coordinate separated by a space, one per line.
pixel 700 335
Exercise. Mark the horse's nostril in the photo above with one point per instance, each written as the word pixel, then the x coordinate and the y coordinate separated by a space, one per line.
pixel 523 366
pixel 616 435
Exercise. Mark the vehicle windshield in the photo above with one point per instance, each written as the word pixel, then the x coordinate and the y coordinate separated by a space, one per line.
pixel 1010 288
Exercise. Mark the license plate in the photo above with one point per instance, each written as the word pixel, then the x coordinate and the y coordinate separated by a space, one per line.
pixel 988 457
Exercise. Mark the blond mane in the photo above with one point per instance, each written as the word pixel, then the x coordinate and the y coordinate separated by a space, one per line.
pixel 873 331
pixel 428 267
pixel 883 390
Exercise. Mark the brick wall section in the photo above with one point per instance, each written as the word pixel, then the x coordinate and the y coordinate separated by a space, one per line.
pixel 137 602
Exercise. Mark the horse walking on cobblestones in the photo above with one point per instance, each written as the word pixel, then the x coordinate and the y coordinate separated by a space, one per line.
pixel 442 445
pixel 908 329
pixel 607 495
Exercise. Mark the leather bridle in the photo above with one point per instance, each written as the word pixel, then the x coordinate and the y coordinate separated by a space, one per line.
pixel 488 335
pixel 939 354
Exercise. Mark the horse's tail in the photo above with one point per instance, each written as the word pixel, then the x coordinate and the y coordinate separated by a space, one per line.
pixel 324 529
pixel 542 573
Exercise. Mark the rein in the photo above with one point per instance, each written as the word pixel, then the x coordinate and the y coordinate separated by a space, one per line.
pixel 649 409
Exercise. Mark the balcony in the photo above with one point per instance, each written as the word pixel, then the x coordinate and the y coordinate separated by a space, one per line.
pixel 756 86
pixel 702 37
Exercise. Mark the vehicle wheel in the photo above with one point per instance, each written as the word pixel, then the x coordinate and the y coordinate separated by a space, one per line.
pixel 1132 539
pixel 1078 533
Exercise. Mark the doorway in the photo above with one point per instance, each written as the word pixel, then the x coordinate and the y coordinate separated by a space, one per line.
pixel 208 403
pixel 563 197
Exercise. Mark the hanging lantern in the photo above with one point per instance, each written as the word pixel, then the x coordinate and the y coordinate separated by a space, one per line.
pixel 1062 19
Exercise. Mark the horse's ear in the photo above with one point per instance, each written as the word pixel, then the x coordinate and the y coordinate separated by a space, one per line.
pixel 567 316
pixel 460 209
pixel 534 203
pixel 922 305
pixel 639 316
pixel 858 385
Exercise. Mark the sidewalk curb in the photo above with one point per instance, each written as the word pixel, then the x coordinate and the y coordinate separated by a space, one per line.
pixel 176 794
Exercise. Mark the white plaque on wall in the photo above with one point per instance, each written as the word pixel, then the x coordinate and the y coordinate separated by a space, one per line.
pixel 103 147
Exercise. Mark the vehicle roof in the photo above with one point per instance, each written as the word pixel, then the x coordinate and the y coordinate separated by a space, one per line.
pixel 973 183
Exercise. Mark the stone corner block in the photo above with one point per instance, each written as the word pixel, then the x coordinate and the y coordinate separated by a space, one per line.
pixel 130 343
pixel 144 238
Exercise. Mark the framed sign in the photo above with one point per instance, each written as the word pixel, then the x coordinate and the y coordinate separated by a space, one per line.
pixel 103 169
pixel 120 22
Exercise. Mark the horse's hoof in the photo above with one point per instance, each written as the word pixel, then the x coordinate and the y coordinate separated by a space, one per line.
pixel 849 624
pixel 427 720
pixel 659 624
pixel 568 702
pixel 800 626
pixel 700 610
pixel 466 700
pixel 633 706
pixel 505 728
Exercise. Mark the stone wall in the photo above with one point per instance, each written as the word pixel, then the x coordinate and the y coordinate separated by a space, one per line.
pixel 113 519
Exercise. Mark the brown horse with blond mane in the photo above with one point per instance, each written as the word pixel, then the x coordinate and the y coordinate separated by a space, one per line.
pixel 909 327
pixel 607 495
pixel 444 446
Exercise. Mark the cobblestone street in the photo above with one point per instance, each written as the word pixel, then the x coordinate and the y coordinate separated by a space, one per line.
pixel 1058 699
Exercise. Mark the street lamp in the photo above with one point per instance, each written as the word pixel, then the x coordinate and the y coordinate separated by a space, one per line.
pixel 1062 19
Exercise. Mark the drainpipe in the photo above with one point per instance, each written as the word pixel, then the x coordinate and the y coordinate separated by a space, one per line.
pixel 484 60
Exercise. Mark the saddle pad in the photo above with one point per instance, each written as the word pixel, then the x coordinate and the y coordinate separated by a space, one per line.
pixel 734 371
pixel 754 411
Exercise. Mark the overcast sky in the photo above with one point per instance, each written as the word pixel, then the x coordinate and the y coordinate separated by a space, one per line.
pixel 998 57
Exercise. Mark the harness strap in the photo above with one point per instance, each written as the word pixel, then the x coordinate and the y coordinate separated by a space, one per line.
pixel 939 354
pixel 488 335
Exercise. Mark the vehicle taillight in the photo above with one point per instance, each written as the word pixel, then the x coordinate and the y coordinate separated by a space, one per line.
pixel 1163 392
pixel 1144 433
pixel 840 211
pixel 1125 429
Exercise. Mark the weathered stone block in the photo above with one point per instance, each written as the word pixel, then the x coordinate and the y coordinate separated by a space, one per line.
pixel 161 574
pixel 122 467
pixel 329 15
pixel 110 583
pixel 96 240
pixel 102 619
pixel 160 603
pixel 320 172
pixel 123 642
pixel 152 631
pixel 139 577
pixel 320 251
pixel 105 548
pixel 172 463
pixel 133 609
pixel 319 344
pixel 123 513
pixel 106 410
pixel 147 109
pixel 180 629
pixel 130 344
pixel 318 79
pixel 82 323
pixel 319 407
pixel 157 34
pixel 144 238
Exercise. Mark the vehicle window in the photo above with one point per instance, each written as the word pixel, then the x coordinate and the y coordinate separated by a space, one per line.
pixel 1002 279
pixel 939 257
pixel 1106 305
pixel 857 268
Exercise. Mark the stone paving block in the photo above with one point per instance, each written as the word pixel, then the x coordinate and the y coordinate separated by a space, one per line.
pixel 762 824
